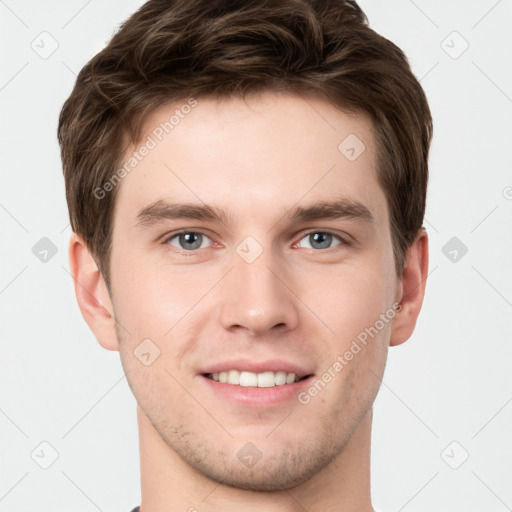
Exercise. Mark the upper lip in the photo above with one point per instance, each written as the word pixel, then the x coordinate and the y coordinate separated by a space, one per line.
pixel 250 365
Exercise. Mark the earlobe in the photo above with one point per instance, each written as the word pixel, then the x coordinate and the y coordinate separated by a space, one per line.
pixel 92 294
pixel 413 284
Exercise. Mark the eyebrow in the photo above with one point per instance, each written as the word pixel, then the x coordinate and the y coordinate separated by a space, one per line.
pixel 334 209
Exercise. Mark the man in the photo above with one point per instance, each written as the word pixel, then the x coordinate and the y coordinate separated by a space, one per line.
pixel 246 184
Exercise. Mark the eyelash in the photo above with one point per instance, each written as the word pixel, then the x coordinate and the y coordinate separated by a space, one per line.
pixel 167 239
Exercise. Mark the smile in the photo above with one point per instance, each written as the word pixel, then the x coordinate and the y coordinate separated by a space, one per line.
pixel 266 379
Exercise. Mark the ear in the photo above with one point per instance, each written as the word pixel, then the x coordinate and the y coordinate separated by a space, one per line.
pixel 92 293
pixel 411 289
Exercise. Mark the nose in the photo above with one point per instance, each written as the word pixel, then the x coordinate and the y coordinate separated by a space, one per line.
pixel 257 297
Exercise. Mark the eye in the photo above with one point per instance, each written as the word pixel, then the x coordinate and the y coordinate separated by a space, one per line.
pixel 321 240
pixel 194 240
pixel 188 240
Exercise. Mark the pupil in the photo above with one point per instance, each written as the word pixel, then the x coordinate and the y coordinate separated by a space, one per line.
pixel 322 239
pixel 190 239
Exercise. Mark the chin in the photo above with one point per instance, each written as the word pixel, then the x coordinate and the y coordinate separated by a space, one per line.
pixel 261 480
pixel 276 470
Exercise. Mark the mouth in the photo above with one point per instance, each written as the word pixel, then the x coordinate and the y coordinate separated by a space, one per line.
pixel 266 379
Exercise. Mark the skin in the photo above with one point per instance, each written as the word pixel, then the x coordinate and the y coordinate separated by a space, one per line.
pixel 257 160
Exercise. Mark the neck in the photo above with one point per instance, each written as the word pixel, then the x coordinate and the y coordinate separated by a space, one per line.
pixel 168 484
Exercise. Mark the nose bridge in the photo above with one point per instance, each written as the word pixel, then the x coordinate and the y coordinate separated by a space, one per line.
pixel 255 297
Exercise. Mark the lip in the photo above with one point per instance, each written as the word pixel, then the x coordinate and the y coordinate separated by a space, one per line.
pixel 255 397
pixel 250 365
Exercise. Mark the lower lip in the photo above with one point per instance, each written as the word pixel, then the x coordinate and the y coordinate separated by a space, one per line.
pixel 257 397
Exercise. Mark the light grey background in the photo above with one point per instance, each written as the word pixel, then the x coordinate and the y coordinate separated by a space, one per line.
pixel 447 392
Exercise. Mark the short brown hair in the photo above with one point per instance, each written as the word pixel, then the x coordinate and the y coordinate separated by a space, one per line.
pixel 174 49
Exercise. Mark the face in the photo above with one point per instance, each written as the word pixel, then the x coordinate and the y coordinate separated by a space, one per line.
pixel 252 245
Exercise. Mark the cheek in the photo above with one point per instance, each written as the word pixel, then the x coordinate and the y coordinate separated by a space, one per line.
pixel 152 297
pixel 349 299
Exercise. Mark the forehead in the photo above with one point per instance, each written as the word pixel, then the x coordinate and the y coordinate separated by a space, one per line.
pixel 257 154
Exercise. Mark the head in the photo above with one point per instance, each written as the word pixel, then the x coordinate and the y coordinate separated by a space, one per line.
pixel 204 150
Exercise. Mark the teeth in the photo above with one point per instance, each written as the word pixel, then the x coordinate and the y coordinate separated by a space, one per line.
pixel 281 378
pixel 267 379
pixel 290 378
pixel 250 379
pixel 233 377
